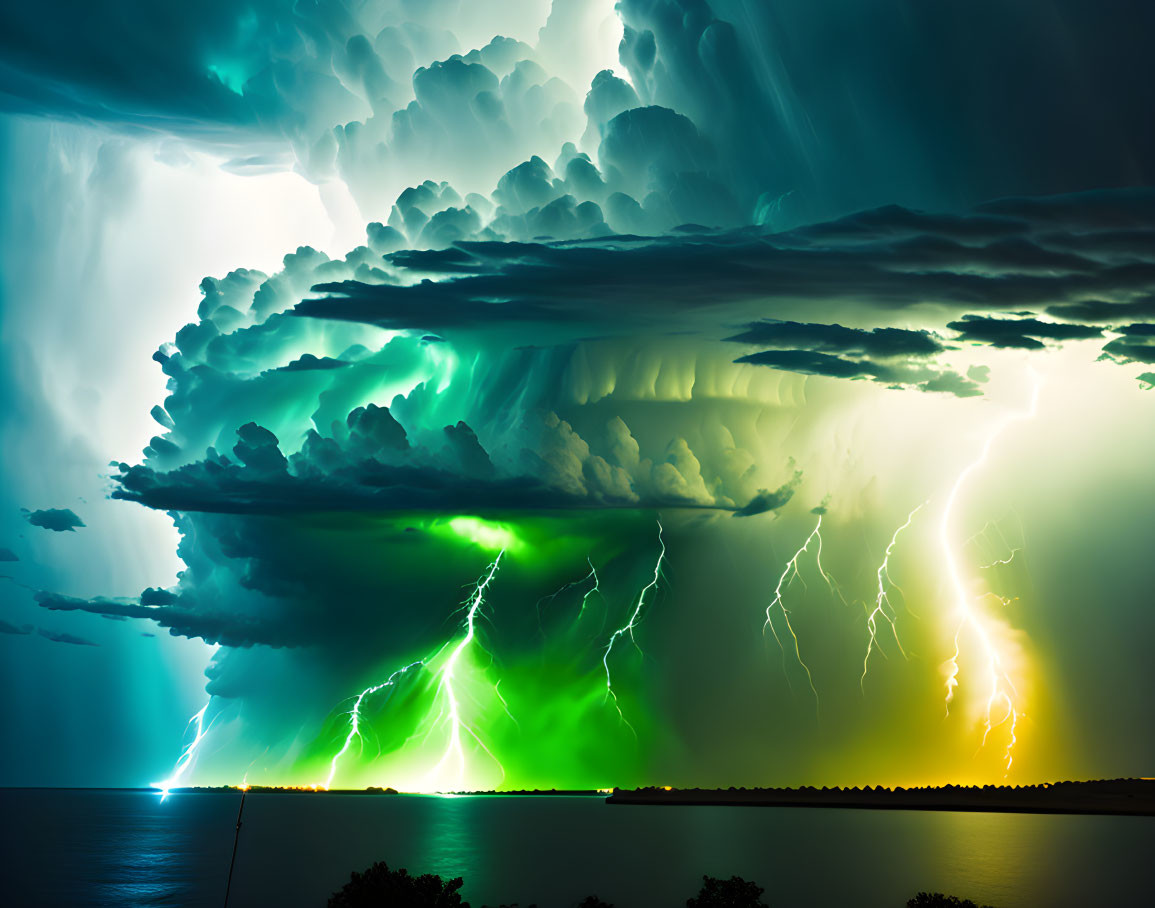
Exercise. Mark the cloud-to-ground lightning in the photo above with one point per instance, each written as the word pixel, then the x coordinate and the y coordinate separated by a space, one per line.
pixel 188 754
pixel 882 605
pixel 355 716
pixel 1001 689
pixel 446 679
pixel 631 624
pixel 787 577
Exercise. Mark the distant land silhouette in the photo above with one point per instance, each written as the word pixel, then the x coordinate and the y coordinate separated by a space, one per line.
pixel 1128 797
pixel 1133 797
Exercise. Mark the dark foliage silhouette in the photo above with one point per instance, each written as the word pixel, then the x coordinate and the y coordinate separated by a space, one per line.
pixel 732 893
pixel 380 887
pixel 938 900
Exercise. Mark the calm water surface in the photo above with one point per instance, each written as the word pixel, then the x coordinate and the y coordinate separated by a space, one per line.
pixel 127 849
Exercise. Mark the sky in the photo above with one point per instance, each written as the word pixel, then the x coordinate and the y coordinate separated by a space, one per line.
pixel 456 396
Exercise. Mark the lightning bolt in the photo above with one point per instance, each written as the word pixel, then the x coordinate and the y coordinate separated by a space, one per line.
pixel 596 588
pixel 882 604
pixel 355 717
pixel 788 575
pixel 1001 689
pixel 999 561
pixel 629 626
pixel 446 677
pixel 188 754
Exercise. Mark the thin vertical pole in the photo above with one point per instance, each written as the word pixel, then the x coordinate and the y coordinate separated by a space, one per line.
pixel 236 839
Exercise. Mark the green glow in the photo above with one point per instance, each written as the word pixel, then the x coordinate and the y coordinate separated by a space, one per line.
pixel 474 715
pixel 488 534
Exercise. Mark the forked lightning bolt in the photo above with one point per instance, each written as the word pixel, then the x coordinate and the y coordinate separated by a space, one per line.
pixel 187 755
pixel 629 626
pixel 355 717
pixel 596 588
pixel 784 581
pixel 882 606
pixel 1001 689
pixel 446 677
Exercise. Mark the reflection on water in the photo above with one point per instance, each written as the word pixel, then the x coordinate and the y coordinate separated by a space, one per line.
pixel 127 849
pixel 144 867
pixel 451 843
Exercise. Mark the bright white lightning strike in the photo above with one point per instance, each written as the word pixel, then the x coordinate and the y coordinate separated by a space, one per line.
pixel 355 717
pixel 446 677
pixel 628 627
pixel 882 605
pixel 1001 689
pixel 187 755
pixel 784 581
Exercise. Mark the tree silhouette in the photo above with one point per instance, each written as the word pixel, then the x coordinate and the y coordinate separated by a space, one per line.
pixel 592 901
pixel 380 887
pixel 732 893
pixel 938 900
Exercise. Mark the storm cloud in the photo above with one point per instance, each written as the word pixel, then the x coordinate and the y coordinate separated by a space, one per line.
pixel 59 520
pixel 1024 333
pixel 620 272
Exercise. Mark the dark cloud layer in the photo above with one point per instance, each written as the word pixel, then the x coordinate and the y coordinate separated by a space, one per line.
pixel 810 362
pixel 1127 352
pixel 59 520
pixel 891 259
pixel 225 626
pixel 1023 333
pixel 837 339
pixel 323 478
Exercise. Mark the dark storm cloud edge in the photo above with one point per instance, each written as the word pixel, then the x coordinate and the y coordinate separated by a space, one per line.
pixel 1086 258
pixel 1006 255
pixel 376 469
pixel 258 485
pixel 172 612
pixel 59 520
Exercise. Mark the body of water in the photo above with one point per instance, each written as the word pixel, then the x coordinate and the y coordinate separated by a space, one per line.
pixel 126 848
